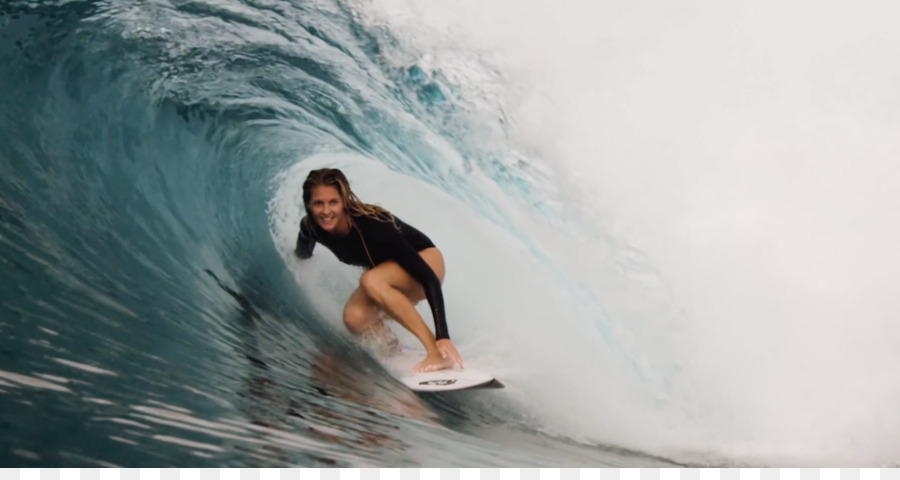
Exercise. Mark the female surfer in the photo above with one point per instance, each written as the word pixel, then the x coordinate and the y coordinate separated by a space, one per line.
pixel 402 265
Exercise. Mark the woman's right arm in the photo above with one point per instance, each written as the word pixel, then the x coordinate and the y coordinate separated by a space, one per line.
pixel 305 242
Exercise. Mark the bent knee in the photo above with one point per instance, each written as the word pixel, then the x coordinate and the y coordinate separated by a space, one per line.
pixel 357 317
pixel 372 284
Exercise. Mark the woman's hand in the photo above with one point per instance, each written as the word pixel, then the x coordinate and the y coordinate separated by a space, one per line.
pixel 448 351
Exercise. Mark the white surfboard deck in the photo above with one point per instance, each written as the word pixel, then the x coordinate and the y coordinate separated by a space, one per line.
pixel 451 379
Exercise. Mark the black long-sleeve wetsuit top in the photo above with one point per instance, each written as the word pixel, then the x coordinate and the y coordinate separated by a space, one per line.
pixel 371 242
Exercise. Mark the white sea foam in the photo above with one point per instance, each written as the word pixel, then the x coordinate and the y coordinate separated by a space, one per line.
pixel 749 150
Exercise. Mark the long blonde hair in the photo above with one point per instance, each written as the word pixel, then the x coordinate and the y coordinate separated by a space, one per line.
pixel 332 177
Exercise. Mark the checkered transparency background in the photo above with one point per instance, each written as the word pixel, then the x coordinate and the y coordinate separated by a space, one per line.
pixel 449 474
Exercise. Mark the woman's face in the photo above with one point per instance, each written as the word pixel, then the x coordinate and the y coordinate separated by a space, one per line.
pixel 328 209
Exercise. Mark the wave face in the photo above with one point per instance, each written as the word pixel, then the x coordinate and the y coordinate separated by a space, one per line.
pixel 748 151
pixel 149 197
pixel 151 308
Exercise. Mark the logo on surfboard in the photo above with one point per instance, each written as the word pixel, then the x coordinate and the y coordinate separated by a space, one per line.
pixel 440 383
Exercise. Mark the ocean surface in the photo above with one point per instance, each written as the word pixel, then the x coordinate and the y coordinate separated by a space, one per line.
pixel 670 230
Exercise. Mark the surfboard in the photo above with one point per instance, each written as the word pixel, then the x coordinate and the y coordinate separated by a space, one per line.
pixel 451 379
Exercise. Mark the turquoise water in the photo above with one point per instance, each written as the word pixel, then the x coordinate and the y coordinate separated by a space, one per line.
pixel 149 309
pixel 668 230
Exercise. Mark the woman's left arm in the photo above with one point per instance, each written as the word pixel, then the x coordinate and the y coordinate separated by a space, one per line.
pixel 417 268
pixel 410 260
pixel 387 234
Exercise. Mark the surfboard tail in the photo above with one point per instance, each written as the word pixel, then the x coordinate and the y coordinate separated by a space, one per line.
pixel 494 384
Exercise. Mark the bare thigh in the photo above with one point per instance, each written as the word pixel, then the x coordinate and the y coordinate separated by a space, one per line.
pixel 397 277
pixel 361 306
